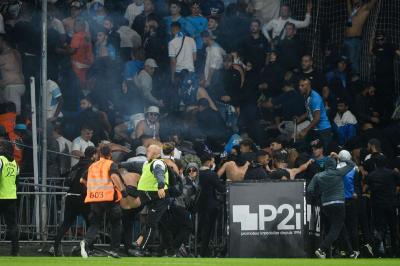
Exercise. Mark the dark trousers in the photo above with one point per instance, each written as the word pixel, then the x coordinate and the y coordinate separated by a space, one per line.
pixel 156 211
pixel 334 217
pixel 74 206
pixel 351 222
pixel 129 217
pixel 179 226
pixel 207 221
pixel 364 218
pixel 385 217
pixel 8 209
pixel 97 211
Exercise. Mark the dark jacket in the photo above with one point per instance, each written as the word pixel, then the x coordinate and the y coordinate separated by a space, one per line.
pixel 330 182
pixel 382 184
pixel 209 184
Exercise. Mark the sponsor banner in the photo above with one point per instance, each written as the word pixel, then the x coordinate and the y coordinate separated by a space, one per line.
pixel 267 219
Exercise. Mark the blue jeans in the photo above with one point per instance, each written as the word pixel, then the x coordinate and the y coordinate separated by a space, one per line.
pixel 352 48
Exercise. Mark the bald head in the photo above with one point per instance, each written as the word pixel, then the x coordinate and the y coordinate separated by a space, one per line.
pixel 153 152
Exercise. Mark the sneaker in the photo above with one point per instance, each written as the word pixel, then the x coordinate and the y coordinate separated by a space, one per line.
pixel 183 252
pixel 113 254
pixel 370 250
pixel 84 253
pixel 355 255
pixel 320 254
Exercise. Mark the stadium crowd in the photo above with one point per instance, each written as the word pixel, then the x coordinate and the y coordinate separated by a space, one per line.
pixel 201 93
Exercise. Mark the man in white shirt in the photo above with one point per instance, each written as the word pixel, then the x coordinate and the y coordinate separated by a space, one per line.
pixel 214 57
pixel 278 25
pixel 181 50
pixel 80 144
pixel 144 81
pixel 54 101
pixel 133 10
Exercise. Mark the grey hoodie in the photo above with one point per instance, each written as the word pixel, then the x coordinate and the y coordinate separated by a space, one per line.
pixel 330 182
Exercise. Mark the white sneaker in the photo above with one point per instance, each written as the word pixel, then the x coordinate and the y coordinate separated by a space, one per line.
pixel 320 254
pixel 83 249
pixel 355 254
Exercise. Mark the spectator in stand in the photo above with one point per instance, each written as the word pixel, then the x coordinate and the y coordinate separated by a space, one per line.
pixel 255 47
pixel 81 52
pixel 133 10
pixel 154 43
pixel 338 79
pixel 144 81
pixel 358 13
pixel 214 29
pixel 278 25
pixel 290 48
pixel 234 170
pixel 364 106
pixel 130 109
pixel 385 54
pixel 112 34
pixel 374 149
pixel 97 13
pixel 213 8
pixel 383 183
pixel 133 66
pixel 150 126
pixel 345 122
pixel 214 58
pixel 96 120
pixel 181 50
pixel 330 103
pixel 130 39
pixel 316 113
pixel 103 47
pixel 55 23
pixel 54 101
pixel 69 22
pixel 317 80
pixel 148 14
pixel 80 144
pixel 175 16
pixel 199 23
pixel 271 76
pixel 12 81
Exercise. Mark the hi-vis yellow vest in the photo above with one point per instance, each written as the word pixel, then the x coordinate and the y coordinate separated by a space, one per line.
pixel 147 181
pixel 9 172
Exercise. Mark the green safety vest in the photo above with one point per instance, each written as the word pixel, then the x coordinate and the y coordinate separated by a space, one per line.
pixel 147 181
pixel 9 172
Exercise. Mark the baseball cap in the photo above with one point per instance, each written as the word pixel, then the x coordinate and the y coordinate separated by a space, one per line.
pixel 150 62
pixel 153 109
pixel 141 150
pixel 344 155
pixel 76 4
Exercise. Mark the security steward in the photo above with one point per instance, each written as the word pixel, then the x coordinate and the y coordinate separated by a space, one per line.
pixel 8 193
pixel 153 191
pixel 104 192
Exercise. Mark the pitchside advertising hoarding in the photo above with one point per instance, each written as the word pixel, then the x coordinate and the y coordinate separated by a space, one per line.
pixel 267 219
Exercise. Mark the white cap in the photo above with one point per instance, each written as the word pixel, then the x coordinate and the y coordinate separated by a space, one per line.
pixel 344 155
pixel 153 109
pixel 150 62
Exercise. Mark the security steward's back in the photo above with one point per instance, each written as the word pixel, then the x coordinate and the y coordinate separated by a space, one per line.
pixel 8 193
pixel 153 190
pixel 104 191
